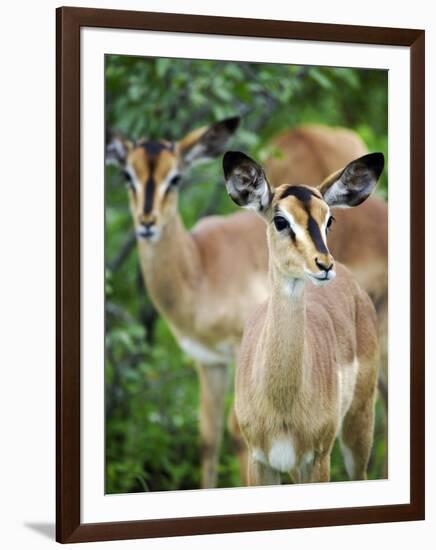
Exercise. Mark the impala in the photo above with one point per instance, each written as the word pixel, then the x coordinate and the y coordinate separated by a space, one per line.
pixel 308 363
pixel 204 282
pixel 307 155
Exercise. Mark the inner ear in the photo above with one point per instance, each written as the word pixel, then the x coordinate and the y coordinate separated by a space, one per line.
pixel 117 148
pixel 246 182
pixel 207 142
pixel 353 184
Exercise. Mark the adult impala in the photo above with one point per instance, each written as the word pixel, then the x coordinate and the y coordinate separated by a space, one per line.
pixel 307 367
pixel 204 282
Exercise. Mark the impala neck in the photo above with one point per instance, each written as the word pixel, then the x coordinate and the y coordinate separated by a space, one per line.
pixel 171 269
pixel 284 342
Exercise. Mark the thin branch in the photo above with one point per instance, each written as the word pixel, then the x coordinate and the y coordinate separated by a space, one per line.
pixel 123 253
pixel 147 314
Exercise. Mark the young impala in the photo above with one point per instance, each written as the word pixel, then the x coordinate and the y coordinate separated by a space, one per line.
pixel 307 155
pixel 204 282
pixel 307 367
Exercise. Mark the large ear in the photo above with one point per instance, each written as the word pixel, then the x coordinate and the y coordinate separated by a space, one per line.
pixel 208 141
pixel 246 182
pixel 117 148
pixel 353 184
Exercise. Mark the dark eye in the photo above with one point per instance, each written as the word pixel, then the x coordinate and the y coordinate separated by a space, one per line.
pixel 281 223
pixel 175 180
pixel 128 179
pixel 330 221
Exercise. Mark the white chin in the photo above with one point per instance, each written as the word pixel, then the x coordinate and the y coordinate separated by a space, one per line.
pixel 148 236
pixel 319 282
pixel 322 281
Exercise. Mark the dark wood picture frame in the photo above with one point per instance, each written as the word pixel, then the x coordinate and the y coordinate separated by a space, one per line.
pixel 68 524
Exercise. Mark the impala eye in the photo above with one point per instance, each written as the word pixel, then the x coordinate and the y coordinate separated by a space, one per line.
pixel 128 179
pixel 329 222
pixel 175 180
pixel 281 223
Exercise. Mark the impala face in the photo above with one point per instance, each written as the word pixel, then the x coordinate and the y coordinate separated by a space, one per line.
pixel 153 171
pixel 299 220
pixel 299 217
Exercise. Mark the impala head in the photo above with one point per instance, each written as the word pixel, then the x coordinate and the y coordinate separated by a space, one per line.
pixel 153 170
pixel 299 217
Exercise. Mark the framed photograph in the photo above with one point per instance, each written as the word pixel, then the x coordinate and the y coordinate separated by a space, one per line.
pixel 236 200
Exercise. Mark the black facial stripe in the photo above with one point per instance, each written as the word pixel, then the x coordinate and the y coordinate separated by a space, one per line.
pixel 304 194
pixel 315 233
pixel 153 148
pixel 149 195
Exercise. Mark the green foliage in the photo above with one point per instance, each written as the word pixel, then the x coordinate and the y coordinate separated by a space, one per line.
pixel 151 386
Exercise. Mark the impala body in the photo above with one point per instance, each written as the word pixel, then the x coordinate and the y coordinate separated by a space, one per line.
pixel 306 156
pixel 204 282
pixel 308 364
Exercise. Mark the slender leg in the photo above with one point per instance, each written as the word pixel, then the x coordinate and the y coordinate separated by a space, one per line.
pixel 239 445
pixel 357 432
pixel 304 474
pixel 382 313
pixel 356 441
pixel 321 467
pixel 213 386
pixel 261 474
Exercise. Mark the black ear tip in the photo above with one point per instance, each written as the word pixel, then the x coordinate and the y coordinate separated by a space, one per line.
pixel 231 159
pixel 232 123
pixel 376 161
pixel 229 162
pixel 379 163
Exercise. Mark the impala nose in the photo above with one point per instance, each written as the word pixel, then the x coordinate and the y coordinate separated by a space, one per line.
pixel 323 266
pixel 147 225
pixel 146 229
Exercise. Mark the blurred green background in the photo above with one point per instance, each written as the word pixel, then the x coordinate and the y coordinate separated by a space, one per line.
pixel 151 387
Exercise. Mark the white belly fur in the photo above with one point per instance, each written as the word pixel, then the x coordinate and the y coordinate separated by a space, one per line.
pixel 347 376
pixel 222 353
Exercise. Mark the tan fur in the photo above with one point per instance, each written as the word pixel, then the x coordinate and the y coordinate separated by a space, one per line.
pixel 205 284
pixel 191 139
pixel 359 238
pixel 307 367
pixel 307 155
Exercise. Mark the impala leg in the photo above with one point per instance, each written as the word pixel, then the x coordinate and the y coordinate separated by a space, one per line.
pixel 213 386
pixel 261 474
pixel 382 313
pixel 356 441
pixel 357 435
pixel 321 467
pixel 239 445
